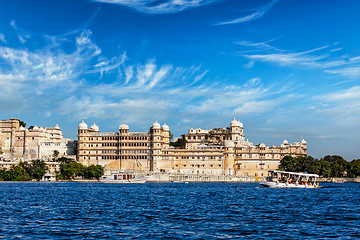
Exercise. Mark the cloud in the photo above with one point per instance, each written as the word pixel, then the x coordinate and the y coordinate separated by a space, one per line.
pixel 22 38
pixel 258 13
pixel 351 72
pixel 84 83
pixel 32 72
pixel 343 105
pixel 311 59
pixel 159 7
pixel 2 38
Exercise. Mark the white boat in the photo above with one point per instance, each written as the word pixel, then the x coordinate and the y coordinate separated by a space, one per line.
pixel 282 179
pixel 123 177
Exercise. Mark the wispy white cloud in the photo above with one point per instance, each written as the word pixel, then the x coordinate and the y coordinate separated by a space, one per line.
pixel 159 7
pixel 22 37
pixel 250 97
pixel 257 13
pixel 2 38
pixel 343 105
pixel 43 69
pixel 351 72
pixel 116 88
pixel 318 58
pixel 336 49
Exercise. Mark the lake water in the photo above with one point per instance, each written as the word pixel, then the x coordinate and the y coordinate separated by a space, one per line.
pixel 177 211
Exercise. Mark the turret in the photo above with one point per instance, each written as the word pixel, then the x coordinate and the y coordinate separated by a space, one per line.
pixel 229 161
pixel 165 130
pixel 123 129
pixel 156 145
pixel 236 131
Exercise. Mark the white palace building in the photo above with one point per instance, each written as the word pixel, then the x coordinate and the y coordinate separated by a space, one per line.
pixel 217 151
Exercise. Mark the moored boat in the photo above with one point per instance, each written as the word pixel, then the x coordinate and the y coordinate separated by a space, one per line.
pixel 282 179
pixel 123 177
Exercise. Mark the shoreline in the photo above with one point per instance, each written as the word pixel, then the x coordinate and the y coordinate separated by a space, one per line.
pixel 199 179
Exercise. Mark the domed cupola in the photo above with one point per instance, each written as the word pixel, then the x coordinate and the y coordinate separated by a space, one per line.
pixel 95 127
pixel 56 127
pixel 36 128
pixel 165 127
pixel 303 141
pixel 123 127
pixel 156 125
pixel 234 123
pixel 285 142
pixel 83 125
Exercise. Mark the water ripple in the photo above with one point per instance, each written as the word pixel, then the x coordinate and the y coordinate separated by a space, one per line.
pixel 177 211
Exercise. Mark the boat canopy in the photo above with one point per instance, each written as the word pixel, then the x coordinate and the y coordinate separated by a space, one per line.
pixel 294 173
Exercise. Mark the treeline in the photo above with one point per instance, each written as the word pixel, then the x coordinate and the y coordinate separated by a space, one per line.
pixel 328 166
pixel 69 169
pixel 24 171
pixel 36 169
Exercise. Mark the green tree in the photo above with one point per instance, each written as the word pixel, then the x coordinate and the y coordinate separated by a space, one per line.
pixel 55 154
pixel 334 166
pixel 65 160
pixel 354 168
pixel 94 172
pixel 329 166
pixel 17 173
pixel 71 170
pixel 36 169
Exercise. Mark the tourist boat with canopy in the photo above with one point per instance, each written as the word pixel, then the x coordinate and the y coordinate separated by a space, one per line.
pixel 282 179
pixel 123 177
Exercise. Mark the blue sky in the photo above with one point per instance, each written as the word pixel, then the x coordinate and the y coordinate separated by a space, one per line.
pixel 287 69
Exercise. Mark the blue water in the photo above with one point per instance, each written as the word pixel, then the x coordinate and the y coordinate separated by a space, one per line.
pixel 177 211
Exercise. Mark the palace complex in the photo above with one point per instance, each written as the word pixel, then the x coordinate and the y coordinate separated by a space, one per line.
pixel 214 152
pixel 17 142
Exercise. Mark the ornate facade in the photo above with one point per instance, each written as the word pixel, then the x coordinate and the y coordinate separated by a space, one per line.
pixel 216 151
pixel 17 142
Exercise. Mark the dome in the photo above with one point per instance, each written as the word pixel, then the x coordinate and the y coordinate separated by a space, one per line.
pixel 156 125
pixel 56 127
pixel 95 127
pixel 21 128
pixel 123 127
pixel 229 144
pixel 165 127
pixel 83 125
pixel 35 128
pixel 234 123
pixel 303 141
pixel 285 142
